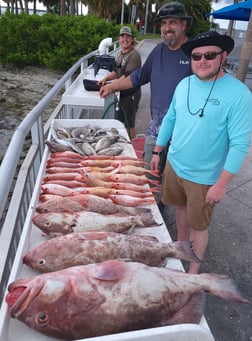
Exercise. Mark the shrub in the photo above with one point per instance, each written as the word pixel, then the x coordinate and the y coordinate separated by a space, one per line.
pixel 56 42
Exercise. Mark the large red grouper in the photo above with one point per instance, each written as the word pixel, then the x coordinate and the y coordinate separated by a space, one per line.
pixel 96 247
pixel 112 297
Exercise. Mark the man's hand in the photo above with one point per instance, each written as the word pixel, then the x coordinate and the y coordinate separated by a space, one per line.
pixel 154 164
pixel 101 82
pixel 106 90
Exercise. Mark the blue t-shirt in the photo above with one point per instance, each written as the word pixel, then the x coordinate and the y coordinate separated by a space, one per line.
pixel 164 69
pixel 202 146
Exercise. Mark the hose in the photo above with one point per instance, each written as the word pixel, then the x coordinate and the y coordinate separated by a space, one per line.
pixel 117 105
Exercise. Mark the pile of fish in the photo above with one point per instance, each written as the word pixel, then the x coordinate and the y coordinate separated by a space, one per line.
pixel 87 140
pixel 99 277
pixel 103 193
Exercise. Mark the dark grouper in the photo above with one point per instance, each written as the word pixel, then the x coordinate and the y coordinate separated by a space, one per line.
pixel 96 247
pixel 111 297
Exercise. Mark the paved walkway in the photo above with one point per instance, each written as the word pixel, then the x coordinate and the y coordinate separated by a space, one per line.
pixel 230 241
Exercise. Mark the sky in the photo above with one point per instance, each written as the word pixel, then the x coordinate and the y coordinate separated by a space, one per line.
pixel 239 25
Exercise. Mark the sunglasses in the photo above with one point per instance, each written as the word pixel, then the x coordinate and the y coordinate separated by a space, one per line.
pixel 208 55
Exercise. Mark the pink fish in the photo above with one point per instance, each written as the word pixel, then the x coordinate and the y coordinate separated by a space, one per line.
pixel 73 155
pixel 52 188
pixel 95 247
pixel 132 178
pixel 62 159
pixel 132 169
pixel 67 154
pixel 56 224
pixel 66 183
pixel 130 201
pixel 63 176
pixel 62 164
pixel 113 297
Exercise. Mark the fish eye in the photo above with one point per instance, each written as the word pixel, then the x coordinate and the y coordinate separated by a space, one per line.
pixel 41 261
pixel 42 318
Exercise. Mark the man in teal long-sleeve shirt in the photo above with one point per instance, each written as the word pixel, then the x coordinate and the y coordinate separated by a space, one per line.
pixel 209 123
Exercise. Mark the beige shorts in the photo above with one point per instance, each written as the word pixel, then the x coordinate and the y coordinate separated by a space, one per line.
pixel 180 192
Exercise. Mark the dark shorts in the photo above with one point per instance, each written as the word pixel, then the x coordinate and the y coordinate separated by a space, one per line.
pixel 128 109
pixel 180 192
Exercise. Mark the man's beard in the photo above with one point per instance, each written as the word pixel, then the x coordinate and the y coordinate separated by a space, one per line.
pixel 170 41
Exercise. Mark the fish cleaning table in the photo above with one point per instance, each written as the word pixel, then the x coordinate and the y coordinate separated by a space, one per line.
pixel 77 98
pixel 13 330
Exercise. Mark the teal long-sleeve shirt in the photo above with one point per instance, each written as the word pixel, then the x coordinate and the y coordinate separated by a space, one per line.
pixel 201 147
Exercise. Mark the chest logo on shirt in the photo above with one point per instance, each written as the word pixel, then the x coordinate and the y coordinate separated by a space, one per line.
pixel 214 101
pixel 184 62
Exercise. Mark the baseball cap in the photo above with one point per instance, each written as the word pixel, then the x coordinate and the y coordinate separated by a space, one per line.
pixel 126 30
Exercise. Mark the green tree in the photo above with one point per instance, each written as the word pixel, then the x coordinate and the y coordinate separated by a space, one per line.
pixel 107 9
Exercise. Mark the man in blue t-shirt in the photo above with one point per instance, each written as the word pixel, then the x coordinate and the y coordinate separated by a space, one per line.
pixel 165 66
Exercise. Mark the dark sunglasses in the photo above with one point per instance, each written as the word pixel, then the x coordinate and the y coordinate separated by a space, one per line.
pixel 208 55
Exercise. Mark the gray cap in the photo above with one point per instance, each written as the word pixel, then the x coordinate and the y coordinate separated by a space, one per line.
pixel 126 30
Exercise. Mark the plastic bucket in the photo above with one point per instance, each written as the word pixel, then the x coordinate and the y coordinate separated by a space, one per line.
pixel 138 144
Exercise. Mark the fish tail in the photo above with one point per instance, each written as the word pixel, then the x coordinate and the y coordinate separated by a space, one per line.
pixel 223 286
pixel 155 173
pixel 184 250
pixel 147 218
pixel 154 182
pixel 154 189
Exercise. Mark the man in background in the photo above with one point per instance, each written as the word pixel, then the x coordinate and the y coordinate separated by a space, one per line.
pixel 164 67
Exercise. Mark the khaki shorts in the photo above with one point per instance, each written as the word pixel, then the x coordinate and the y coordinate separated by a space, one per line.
pixel 180 192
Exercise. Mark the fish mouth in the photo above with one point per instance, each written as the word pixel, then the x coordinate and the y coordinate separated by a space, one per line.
pixel 26 296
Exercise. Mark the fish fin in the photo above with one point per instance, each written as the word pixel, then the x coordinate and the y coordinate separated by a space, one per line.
pixel 190 312
pixel 92 235
pixel 111 270
pixel 145 237
pixel 125 259
pixel 184 250
pixel 131 230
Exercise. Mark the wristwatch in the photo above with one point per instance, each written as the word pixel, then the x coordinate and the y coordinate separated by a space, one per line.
pixel 156 153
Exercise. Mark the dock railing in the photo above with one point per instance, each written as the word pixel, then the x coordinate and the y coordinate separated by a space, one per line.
pixel 18 176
